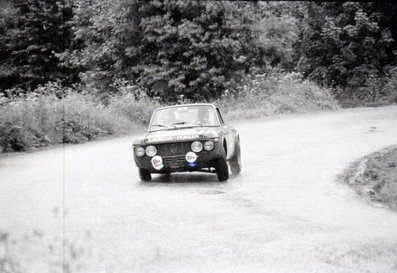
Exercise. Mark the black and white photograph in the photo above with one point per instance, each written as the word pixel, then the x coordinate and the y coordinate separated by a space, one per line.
pixel 198 136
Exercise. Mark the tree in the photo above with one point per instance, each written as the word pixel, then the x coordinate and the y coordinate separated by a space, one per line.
pixel 277 25
pixel 33 34
pixel 172 49
pixel 348 45
pixel 97 54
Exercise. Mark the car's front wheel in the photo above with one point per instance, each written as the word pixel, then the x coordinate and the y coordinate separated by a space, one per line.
pixel 235 161
pixel 222 170
pixel 145 175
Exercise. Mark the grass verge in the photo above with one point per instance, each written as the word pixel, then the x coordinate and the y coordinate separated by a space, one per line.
pixel 375 177
pixel 40 118
pixel 264 95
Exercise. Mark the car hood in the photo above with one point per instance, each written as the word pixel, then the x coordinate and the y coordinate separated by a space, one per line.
pixel 178 135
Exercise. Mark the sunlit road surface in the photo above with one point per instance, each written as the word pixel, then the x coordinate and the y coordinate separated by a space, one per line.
pixel 82 208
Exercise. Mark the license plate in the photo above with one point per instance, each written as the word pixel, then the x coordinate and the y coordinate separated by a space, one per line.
pixel 173 165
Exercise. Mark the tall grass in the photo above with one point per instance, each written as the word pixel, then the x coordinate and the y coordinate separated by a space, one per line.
pixel 264 95
pixel 42 118
pixel 54 114
pixel 376 91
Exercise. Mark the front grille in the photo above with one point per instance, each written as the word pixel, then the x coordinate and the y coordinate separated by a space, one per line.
pixel 176 162
pixel 173 149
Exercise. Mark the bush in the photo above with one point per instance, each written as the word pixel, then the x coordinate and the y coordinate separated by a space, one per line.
pixel 54 114
pixel 28 121
pixel 376 91
pixel 265 95
pixel 18 139
pixel 390 87
pixel 131 102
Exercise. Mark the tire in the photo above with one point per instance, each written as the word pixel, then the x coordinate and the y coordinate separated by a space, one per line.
pixel 235 161
pixel 144 175
pixel 222 170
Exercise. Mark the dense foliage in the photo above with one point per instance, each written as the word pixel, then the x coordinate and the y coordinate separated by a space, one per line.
pixel 197 50
pixel 32 35
pixel 40 118
pixel 172 49
pixel 350 46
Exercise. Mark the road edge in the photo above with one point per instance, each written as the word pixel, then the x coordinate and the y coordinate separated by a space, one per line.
pixel 367 181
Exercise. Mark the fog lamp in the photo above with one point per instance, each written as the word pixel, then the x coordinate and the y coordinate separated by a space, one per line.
pixel 191 157
pixel 157 162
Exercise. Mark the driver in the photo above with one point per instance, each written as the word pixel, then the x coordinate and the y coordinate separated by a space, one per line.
pixel 204 115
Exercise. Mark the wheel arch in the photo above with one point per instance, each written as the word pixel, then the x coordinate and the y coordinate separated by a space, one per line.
pixel 225 146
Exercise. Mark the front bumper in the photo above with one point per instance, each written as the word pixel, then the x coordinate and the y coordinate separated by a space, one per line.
pixel 178 163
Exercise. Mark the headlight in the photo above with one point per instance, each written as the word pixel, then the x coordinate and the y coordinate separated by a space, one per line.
pixel 197 146
pixel 209 145
pixel 139 151
pixel 151 150
pixel 191 157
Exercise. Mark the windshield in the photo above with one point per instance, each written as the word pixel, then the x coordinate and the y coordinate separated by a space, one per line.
pixel 183 116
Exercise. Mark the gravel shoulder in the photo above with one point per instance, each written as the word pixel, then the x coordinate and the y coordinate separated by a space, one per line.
pixel 374 177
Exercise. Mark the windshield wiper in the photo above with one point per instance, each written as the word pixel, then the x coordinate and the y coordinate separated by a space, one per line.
pixel 164 126
pixel 185 122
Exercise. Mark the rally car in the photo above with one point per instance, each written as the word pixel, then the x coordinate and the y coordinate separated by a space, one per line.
pixel 186 138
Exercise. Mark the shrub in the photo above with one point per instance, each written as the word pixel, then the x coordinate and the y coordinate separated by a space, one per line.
pixel 55 114
pixel 264 95
pixel 18 139
pixel 132 102
pixel 28 121
pixel 376 91
pixel 390 88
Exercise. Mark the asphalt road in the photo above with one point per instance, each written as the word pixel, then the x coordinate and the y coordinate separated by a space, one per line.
pixel 284 213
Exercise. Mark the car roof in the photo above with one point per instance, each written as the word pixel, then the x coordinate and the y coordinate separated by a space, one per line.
pixel 187 105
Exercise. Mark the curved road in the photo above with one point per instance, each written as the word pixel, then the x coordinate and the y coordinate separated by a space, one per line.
pixel 284 213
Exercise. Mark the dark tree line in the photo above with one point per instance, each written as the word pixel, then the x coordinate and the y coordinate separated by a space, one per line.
pixel 195 49
pixel 33 36
pixel 351 46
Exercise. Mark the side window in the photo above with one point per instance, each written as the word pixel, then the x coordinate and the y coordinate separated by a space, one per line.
pixel 219 115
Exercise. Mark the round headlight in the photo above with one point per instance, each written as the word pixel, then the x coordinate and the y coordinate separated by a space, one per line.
pixel 209 145
pixel 139 151
pixel 191 157
pixel 151 150
pixel 157 162
pixel 197 146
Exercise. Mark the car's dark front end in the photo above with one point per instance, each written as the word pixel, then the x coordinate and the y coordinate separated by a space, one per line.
pixel 179 156
pixel 187 138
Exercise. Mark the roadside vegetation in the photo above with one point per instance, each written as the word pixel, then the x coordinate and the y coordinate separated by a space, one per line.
pixel 54 114
pixel 41 118
pixel 72 71
pixel 263 95
pixel 375 177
